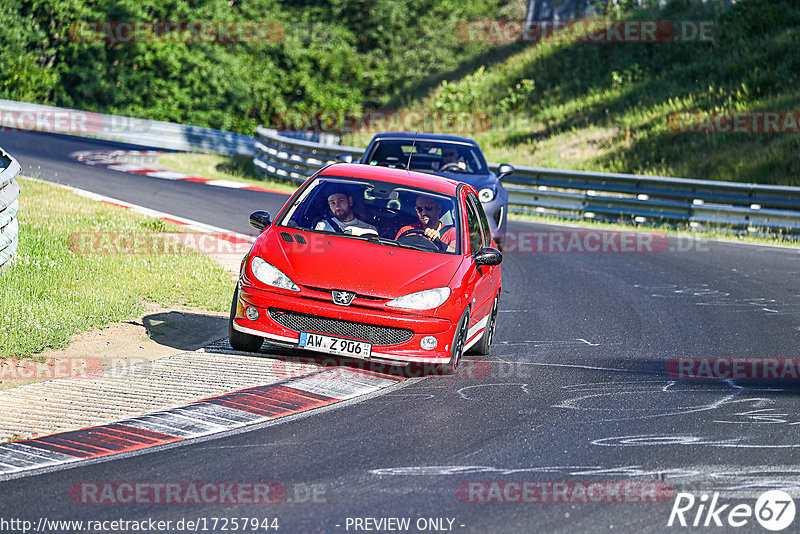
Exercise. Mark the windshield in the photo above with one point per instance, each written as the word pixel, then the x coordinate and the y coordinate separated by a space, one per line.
pixel 380 212
pixel 428 156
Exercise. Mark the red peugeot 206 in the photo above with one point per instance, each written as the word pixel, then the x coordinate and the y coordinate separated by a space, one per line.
pixel 374 263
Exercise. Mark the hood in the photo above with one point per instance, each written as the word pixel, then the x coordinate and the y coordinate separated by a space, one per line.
pixel 333 262
pixel 478 181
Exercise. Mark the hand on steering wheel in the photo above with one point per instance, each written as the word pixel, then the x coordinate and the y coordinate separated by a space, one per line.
pixel 457 166
pixel 440 245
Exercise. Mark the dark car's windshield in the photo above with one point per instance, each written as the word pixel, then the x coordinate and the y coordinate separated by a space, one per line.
pixel 381 212
pixel 428 156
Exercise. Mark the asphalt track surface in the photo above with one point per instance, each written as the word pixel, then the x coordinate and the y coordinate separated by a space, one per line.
pixel 576 390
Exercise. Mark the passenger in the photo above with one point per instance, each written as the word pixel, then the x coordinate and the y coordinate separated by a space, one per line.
pixel 340 203
pixel 429 211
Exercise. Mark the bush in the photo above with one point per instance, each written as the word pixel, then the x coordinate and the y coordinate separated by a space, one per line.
pixel 333 57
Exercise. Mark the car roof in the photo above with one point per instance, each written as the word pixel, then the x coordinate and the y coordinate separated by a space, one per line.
pixel 425 137
pixel 438 184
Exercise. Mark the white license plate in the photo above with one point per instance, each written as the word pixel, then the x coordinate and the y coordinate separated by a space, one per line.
pixel 335 345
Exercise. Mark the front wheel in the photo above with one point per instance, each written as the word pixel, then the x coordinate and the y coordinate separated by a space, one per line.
pixel 240 340
pixel 482 346
pixel 459 340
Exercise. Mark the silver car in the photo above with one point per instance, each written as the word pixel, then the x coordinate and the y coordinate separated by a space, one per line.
pixel 458 158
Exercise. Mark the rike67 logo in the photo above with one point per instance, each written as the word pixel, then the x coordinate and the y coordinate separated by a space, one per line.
pixel 774 510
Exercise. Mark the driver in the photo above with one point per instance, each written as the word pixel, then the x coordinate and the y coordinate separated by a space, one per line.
pixel 429 211
pixel 452 157
pixel 341 205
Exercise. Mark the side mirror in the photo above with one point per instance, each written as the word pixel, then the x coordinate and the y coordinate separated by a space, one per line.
pixel 259 220
pixel 504 170
pixel 488 256
pixel 344 158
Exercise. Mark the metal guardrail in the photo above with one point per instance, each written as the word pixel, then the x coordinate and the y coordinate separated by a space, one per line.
pixel 9 206
pixel 655 199
pixel 156 134
pixel 580 194
pixel 293 159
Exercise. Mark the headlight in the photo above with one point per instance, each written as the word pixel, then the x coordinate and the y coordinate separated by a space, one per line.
pixel 421 300
pixel 486 194
pixel 271 276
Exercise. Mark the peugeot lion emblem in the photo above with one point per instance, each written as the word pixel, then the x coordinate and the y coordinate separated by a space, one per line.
pixel 342 298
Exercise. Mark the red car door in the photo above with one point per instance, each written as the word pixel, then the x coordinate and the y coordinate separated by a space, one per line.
pixel 484 278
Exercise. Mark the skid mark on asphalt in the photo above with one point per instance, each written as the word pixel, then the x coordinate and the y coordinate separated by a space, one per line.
pixel 539 343
pixel 660 440
pixel 512 364
pixel 703 295
pixel 570 470
pixel 615 390
pixel 763 416
pixel 463 391
pixel 614 401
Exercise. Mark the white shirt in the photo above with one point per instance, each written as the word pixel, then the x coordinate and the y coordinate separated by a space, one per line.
pixel 354 227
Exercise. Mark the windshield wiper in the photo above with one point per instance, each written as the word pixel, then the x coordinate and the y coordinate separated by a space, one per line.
pixel 372 238
pixel 378 240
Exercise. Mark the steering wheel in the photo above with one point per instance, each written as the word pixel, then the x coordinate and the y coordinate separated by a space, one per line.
pixel 452 166
pixel 415 234
pixel 393 162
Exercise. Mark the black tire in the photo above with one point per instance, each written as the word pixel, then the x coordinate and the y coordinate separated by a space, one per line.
pixel 240 340
pixel 457 349
pixel 482 347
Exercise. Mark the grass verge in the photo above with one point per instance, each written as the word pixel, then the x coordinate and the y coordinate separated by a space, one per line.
pixel 51 293
pixel 238 168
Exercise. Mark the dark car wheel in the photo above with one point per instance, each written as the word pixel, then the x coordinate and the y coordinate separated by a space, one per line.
pixel 483 346
pixel 459 340
pixel 240 340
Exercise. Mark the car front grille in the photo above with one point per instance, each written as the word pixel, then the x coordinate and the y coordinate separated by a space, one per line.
pixel 377 335
pixel 358 295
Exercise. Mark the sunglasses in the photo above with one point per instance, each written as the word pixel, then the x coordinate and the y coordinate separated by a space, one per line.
pixel 421 208
pixel 450 154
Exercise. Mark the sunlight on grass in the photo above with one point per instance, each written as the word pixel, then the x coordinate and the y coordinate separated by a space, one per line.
pixel 51 293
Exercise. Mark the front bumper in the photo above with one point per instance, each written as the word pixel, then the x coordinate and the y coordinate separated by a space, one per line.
pixel 273 306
